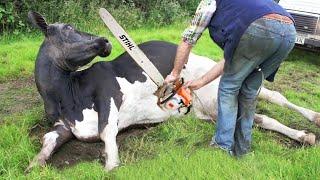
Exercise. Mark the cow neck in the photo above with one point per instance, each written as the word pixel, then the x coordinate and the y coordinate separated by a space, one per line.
pixel 69 86
pixel 47 72
pixel 70 83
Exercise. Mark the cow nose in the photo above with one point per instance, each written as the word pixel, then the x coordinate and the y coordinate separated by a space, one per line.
pixel 105 40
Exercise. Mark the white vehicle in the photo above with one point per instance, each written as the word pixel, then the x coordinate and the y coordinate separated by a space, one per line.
pixel 306 14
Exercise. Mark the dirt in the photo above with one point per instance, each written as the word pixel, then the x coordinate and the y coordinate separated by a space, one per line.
pixel 18 95
pixel 75 151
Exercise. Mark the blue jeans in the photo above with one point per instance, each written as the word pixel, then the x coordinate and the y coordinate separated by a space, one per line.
pixel 262 48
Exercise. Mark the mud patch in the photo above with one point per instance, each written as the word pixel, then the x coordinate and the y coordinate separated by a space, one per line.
pixel 75 151
pixel 17 96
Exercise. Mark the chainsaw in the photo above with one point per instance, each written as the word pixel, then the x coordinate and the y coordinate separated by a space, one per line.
pixel 175 97
pixel 172 96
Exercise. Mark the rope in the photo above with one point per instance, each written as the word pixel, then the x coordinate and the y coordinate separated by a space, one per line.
pixel 203 107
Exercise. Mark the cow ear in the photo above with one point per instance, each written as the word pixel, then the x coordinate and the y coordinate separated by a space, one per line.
pixel 38 21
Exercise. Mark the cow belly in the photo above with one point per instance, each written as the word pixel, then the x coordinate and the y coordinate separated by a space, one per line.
pixel 141 111
pixel 87 129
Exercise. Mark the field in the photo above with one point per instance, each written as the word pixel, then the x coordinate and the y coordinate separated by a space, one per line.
pixel 177 149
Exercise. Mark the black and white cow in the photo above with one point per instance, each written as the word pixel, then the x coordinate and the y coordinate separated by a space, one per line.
pixel 94 104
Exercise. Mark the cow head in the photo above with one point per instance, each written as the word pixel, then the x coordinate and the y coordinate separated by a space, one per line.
pixel 68 47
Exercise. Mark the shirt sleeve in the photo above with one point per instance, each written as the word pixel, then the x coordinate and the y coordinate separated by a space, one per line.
pixel 199 22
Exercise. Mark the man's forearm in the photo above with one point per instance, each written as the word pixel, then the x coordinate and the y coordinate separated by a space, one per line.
pixel 213 73
pixel 182 56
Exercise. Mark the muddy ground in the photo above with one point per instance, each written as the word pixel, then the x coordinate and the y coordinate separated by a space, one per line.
pixel 76 151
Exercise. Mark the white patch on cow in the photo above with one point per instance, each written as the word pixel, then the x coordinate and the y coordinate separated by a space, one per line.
pixel 204 100
pixel 197 66
pixel 88 127
pixel 140 104
pixel 49 143
pixel 109 136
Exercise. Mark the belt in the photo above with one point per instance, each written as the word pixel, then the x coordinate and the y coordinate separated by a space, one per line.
pixel 279 17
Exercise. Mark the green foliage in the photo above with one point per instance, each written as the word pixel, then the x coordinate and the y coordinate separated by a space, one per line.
pixel 130 13
pixel 10 19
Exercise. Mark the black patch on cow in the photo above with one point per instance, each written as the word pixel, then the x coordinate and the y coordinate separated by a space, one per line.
pixel 160 53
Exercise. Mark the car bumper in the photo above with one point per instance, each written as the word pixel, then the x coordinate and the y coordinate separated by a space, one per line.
pixel 312 42
pixel 308 40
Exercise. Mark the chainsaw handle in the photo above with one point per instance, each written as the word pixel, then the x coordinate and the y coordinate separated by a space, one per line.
pixel 185 93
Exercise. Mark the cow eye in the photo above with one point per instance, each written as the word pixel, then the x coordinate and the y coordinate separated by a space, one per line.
pixel 69 27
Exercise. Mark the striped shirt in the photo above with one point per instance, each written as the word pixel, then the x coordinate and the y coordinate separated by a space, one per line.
pixel 199 22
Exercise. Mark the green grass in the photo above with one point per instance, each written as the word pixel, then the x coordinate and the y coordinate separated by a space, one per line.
pixel 171 150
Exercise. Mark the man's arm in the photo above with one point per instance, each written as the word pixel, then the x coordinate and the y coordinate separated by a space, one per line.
pixel 182 57
pixel 190 36
pixel 211 75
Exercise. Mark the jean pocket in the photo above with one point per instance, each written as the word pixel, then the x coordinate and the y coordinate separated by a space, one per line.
pixel 247 47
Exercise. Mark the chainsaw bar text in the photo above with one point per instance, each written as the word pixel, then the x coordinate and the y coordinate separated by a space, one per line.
pixel 126 41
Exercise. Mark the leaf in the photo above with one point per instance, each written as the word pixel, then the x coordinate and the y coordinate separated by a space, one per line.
pixel 21 24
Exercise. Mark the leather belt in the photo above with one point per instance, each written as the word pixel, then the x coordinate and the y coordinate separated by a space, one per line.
pixel 279 17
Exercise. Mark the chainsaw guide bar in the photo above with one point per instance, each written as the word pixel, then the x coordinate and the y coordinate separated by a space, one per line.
pixel 171 96
pixel 131 47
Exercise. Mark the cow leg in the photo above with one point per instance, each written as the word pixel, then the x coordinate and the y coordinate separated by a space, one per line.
pixel 51 107
pixel 109 134
pixel 277 98
pixel 51 142
pixel 274 125
pixel 109 137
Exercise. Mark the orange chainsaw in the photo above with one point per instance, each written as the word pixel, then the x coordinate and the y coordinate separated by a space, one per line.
pixel 170 96
pixel 175 97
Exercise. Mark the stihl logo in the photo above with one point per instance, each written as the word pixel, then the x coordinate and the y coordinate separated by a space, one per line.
pixel 126 41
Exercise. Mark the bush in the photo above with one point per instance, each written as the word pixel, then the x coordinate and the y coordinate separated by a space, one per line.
pixel 130 13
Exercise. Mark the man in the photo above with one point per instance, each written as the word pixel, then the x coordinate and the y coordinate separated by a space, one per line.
pixel 256 35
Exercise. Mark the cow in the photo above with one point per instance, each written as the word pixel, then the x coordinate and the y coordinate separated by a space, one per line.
pixel 96 103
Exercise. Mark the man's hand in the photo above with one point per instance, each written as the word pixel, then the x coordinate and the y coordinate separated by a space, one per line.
pixel 171 78
pixel 194 85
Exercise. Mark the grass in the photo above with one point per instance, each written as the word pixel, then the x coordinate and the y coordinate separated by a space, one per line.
pixel 177 149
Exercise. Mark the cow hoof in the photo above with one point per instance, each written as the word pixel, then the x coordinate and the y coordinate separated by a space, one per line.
pixel 317 120
pixel 111 166
pixel 36 162
pixel 309 139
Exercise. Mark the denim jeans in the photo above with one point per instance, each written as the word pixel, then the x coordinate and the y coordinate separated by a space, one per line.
pixel 262 48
